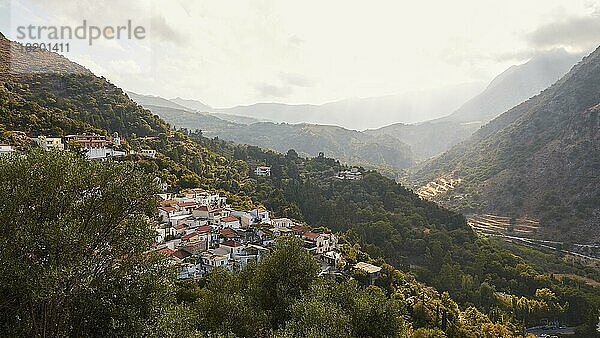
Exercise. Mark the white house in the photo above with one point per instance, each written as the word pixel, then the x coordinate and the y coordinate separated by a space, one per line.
pixel 322 242
pixel 263 171
pixel 116 139
pixel 229 222
pixel 282 223
pixel 352 174
pixel 6 149
pixel 48 143
pixel 332 258
pixel 176 219
pixel 209 213
pixel 166 212
pixel 373 271
pixel 213 258
pixel 102 153
pixel 163 231
pixel 236 249
pixel 187 206
pixel 205 234
pixel 195 193
pixel 256 216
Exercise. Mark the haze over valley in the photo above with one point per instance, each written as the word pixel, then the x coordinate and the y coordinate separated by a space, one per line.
pixel 286 168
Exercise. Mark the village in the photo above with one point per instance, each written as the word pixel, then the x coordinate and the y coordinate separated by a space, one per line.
pixel 94 147
pixel 199 231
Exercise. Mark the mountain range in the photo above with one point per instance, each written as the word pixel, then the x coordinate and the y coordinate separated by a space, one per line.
pixel 44 93
pixel 362 113
pixel 390 148
pixel 508 89
pixel 540 159
pixel 350 146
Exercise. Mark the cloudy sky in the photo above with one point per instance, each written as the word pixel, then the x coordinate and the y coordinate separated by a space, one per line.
pixel 230 52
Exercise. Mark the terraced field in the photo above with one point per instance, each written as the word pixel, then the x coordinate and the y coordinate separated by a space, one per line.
pixel 440 186
pixel 494 224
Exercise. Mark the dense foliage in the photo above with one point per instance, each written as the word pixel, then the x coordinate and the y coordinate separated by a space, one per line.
pixel 73 240
pixel 75 263
pixel 375 215
pixel 282 296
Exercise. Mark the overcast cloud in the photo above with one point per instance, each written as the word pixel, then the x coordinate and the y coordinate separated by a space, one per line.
pixel 574 32
pixel 227 52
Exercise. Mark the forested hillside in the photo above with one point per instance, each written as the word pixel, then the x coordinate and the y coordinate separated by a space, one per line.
pixel 538 159
pixel 384 153
pixel 346 145
pixel 375 215
pixel 83 269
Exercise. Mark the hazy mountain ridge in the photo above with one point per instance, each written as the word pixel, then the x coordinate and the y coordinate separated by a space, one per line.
pixel 413 142
pixel 357 113
pixel 183 118
pixel 350 146
pixel 515 85
pixel 540 158
pixel 508 89
pixel 429 138
pixel 398 145
pixel 151 100
pixel 193 105
pixel 309 139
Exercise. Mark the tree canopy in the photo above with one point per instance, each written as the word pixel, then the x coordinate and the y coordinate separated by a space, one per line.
pixel 73 237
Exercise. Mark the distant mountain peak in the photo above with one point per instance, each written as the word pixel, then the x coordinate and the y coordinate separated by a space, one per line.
pixel 515 85
pixel 193 105
pixel 539 158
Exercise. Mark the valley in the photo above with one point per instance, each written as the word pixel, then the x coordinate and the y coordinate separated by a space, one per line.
pixel 450 189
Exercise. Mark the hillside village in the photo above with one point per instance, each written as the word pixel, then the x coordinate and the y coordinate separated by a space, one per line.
pixel 200 231
pixel 95 147
pixel 100 147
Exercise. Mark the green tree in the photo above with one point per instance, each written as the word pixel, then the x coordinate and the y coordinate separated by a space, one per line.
pixel 281 278
pixel 73 242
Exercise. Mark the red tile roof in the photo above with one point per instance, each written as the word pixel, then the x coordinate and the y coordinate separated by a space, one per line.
pixel 232 244
pixel 180 226
pixel 167 203
pixel 166 251
pixel 181 254
pixel 203 229
pixel 190 235
pixel 228 232
pixel 299 228
pixel 168 209
pixel 186 204
pixel 311 235
pixel 229 219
